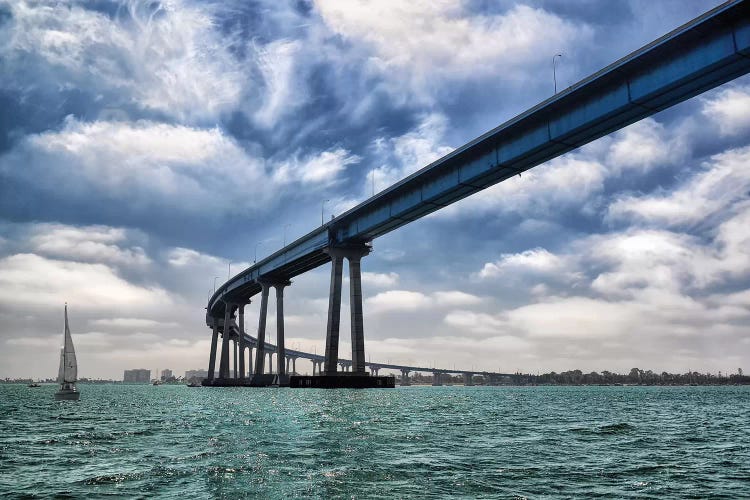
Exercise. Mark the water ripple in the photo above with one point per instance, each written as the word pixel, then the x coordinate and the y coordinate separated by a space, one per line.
pixel 416 442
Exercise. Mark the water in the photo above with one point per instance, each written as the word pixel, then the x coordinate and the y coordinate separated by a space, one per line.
pixel 413 442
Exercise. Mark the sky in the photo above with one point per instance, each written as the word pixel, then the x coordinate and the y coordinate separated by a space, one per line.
pixel 148 149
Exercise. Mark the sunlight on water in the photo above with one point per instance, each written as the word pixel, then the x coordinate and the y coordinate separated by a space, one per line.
pixel 474 442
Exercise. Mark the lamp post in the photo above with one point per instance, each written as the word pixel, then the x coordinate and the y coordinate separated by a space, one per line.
pixel 215 278
pixel 322 204
pixel 229 270
pixel 554 70
pixel 285 226
pixel 255 252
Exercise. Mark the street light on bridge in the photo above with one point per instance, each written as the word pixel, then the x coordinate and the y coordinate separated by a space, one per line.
pixel 554 73
pixel 285 226
pixel 322 204
pixel 215 278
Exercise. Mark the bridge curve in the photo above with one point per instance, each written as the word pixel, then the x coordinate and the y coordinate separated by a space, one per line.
pixel 698 56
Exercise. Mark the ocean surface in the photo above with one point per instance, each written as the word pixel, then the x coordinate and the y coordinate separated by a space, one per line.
pixel 139 441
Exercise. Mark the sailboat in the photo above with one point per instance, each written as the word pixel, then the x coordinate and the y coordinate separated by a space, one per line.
pixel 68 372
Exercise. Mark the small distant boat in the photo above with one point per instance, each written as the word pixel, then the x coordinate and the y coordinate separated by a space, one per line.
pixel 156 382
pixel 34 384
pixel 68 373
pixel 193 384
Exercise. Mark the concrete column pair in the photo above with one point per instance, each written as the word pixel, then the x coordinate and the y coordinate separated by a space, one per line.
pixel 281 350
pixel 241 316
pixel 468 379
pixel 224 363
pixel 354 255
pixel 212 357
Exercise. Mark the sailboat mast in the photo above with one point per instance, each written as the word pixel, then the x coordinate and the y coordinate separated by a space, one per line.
pixel 65 333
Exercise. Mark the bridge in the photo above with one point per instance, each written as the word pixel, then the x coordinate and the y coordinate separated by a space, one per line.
pixel 698 56
pixel 287 364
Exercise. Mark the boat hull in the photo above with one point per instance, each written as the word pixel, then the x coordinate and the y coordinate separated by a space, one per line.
pixel 67 395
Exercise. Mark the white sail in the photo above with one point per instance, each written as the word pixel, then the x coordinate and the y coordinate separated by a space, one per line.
pixel 71 366
pixel 61 371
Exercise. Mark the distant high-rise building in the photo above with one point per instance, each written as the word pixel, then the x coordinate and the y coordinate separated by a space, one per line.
pixel 166 374
pixel 139 375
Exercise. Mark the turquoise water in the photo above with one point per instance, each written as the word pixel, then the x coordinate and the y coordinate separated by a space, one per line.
pixel 413 442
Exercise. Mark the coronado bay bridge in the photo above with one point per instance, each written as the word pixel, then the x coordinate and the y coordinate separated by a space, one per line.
pixel 698 56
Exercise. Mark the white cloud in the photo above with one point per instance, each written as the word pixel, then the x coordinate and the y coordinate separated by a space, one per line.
pixel 397 300
pixel 421 45
pixel 146 165
pixel 164 57
pixel 729 110
pixel 131 323
pixel 538 260
pixel 404 300
pixel 86 244
pixel 455 298
pixel 30 279
pixel 725 180
pixel 643 146
pixel 380 280
pixel 323 168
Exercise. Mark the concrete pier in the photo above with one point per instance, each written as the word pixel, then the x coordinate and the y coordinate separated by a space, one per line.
pixel 212 356
pixel 260 349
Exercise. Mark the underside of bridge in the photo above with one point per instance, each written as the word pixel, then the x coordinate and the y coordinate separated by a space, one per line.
pixel 700 55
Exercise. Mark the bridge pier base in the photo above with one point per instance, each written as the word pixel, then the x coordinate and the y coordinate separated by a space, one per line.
pixel 436 379
pixel 468 379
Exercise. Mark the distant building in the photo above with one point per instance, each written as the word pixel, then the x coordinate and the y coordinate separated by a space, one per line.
pixel 139 376
pixel 166 374
pixel 196 374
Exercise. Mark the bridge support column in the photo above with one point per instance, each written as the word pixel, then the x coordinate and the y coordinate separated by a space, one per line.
pixel 280 349
pixel 236 358
pixel 405 377
pixel 241 319
pixel 260 353
pixel 436 378
pixel 294 365
pixel 224 365
pixel 354 257
pixel 212 356
pixel 249 360
pixel 468 379
pixel 270 362
pixel 334 313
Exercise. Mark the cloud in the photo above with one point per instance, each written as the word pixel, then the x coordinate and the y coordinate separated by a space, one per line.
pixel 422 45
pixel 164 57
pixel 729 110
pixel 132 323
pixel 145 167
pixel 397 300
pixel 380 280
pixel 32 279
pixel 538 261
pixel 86 244
pixel 724 181
pixel 404 300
